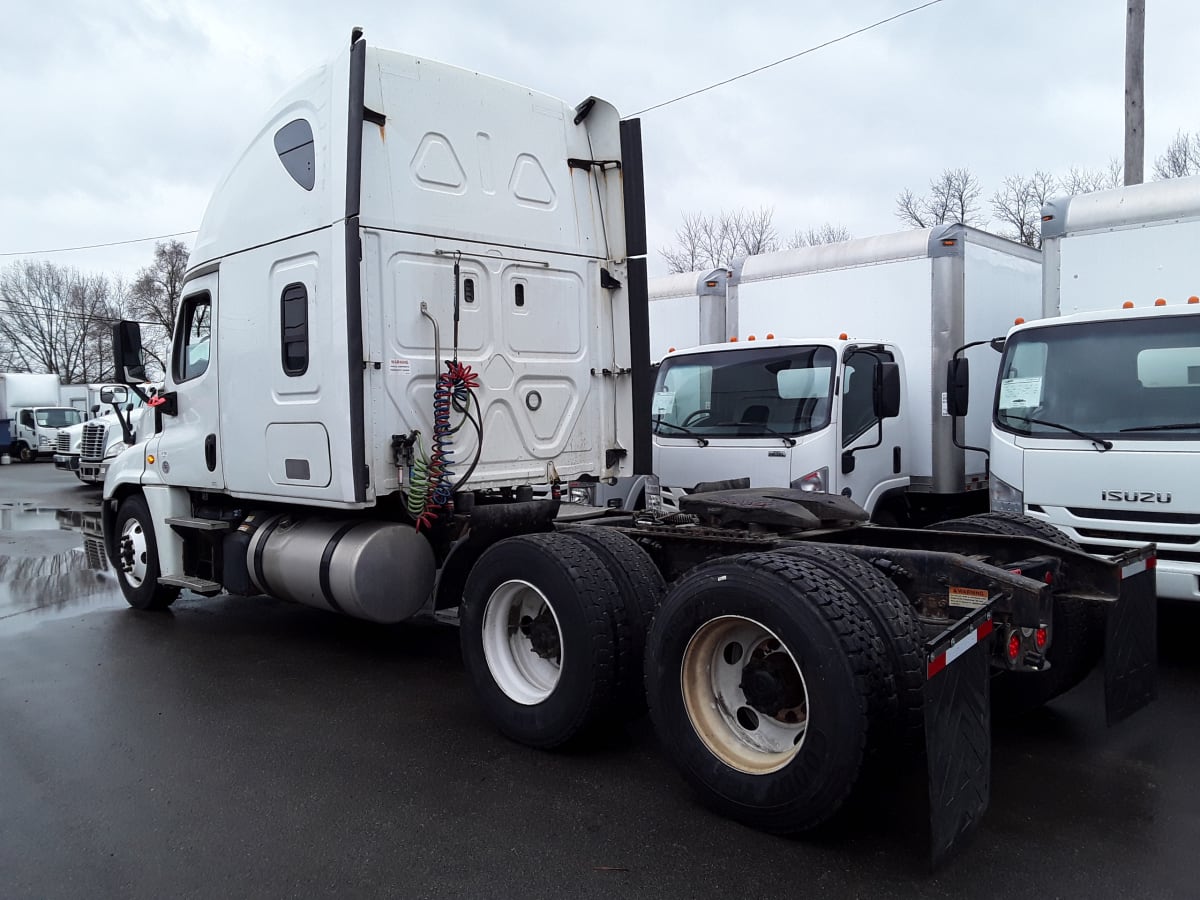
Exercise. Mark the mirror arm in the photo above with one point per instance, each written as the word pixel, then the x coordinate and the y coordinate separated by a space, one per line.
pixel 987 455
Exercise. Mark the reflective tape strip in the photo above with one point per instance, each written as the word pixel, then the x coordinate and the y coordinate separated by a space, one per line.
pixel 958 648
pixel 1138 567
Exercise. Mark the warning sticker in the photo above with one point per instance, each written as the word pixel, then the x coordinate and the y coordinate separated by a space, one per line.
pixel 399 365
pixel 968 598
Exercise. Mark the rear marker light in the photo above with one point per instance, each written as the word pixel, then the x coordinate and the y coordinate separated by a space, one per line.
pixel 1014 646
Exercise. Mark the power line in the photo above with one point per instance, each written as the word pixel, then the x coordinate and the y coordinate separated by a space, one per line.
pixel 777 62
pixel 141 240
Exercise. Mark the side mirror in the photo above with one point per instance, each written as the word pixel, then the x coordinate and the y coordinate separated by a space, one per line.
pixel 958 385
pixel 885 395
pixel 95 408
pixel 109 396
pixel 127 353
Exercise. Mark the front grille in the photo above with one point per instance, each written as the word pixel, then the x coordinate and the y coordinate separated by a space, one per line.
pixel 1137 537
pixel 92 448
pixel 64 443
pixel 1170 555
pixel 1135 515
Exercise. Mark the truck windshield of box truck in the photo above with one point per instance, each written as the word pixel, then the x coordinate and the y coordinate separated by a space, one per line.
pixel 1129 380
pixel 738 394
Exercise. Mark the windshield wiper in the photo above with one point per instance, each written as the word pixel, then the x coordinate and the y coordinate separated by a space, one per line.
pixel 1101 443
pixel 702 441
pixel 1181 426
pixel 788 440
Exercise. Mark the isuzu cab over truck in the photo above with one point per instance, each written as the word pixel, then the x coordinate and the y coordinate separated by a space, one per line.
pixel 789 400
pixel 420 291
pixel 31 413
pixel 1097 412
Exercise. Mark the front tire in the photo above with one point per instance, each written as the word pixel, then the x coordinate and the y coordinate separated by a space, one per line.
pixel 542 628
pixel 760 675
pixel 136 557
pixel 25 453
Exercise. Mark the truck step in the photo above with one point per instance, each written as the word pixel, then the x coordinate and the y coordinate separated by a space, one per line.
pixel 198 524
pixel 196 585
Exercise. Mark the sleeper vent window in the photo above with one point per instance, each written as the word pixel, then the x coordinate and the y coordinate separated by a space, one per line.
pixel 294 144
pixel 293 321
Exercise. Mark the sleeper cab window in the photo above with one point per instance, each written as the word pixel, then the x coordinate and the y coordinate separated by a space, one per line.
pixel 192 337
pixel 293 329
pixel 294 144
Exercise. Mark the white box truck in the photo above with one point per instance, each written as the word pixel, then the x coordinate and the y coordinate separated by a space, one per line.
pixel 788 400
pixel 1097 420
pixel 31 415
pixel 421 290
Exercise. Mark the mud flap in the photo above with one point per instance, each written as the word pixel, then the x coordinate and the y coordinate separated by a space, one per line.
pixel 1131 643
pixel 958 733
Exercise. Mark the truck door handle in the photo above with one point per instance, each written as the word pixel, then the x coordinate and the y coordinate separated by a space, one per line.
pixel 210 452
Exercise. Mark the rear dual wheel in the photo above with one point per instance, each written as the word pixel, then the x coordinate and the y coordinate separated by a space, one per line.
pixel 762 677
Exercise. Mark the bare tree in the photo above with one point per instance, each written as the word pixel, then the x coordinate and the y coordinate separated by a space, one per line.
pixel 1018 205
pixel 704 241
pixel 154 298
pixel 51 320
pixel 1181 158
pixel 953 197
pixel 1082 180
pixel 814 237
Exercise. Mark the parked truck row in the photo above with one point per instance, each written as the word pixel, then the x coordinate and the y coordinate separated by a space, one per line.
pixel 31 414
pixel 382 345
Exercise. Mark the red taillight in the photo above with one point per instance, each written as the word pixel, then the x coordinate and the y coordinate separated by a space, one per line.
pixel 1048 578
pixel 1014 646
pixel 1040 636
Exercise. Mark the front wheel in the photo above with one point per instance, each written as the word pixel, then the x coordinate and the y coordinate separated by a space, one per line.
pixel 25 454
pixel 136 557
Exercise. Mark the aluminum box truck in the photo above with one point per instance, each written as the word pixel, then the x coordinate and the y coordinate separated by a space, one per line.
pixel 1097 412
pixel 788 401
pixel 418 292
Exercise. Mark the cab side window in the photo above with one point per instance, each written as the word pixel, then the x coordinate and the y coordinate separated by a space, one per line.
pixel 192 338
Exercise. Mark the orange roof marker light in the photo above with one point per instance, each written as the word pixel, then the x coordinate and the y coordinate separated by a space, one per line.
pixel 1193 299
pixel 733 339
pixel 1019 320
pixel 843 336
pixel 1128 304
pixel 771 337
pixel 750 338
pixel 1160 302
pixel 670 349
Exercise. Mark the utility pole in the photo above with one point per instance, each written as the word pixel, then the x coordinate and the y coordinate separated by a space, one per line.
pixel 1135 111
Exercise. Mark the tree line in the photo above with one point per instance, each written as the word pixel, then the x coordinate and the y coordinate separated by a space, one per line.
pixel 57 319
pixel 1013 210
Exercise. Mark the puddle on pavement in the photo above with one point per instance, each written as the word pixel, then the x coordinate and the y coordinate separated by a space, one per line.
pixel 52 564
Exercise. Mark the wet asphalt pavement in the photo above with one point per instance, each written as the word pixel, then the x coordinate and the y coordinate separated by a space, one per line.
pixel 247 747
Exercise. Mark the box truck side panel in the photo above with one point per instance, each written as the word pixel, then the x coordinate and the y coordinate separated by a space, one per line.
pixel 674 322
pixel 888 302
pixel 1102 270
pixel 999 287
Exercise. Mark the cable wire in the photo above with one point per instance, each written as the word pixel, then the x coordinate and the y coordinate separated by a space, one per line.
pixel 141 240
pixel 778 62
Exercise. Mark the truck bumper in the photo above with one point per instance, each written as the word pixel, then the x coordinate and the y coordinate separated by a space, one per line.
pixel 66 462
pixel 92 471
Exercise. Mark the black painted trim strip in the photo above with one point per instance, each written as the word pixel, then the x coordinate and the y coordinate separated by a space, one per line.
pixel 638 292
pixel 354 341
pixel 260 577
pixel 326 559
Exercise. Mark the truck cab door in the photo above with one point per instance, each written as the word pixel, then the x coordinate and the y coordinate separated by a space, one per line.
pixel 860 429
pixel 188 449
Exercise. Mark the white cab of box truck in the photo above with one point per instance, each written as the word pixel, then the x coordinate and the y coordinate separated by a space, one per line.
pixel 786 410
pixel 1097 412
pixel 31 412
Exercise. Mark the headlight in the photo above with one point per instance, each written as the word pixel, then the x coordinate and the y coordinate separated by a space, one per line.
pixel 582 492
pixel 814 482
pixel 1005 498
pixel 114 449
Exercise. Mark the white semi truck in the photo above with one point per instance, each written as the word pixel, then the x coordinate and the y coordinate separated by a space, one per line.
pixel 420 291
pixel 86 449
pixel 1097 413
pixel 31 415
pixel 788 399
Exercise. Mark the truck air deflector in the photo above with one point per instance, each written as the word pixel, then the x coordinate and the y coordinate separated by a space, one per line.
pixel 637 291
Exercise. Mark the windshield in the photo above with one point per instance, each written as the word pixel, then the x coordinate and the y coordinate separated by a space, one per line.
pixel 58 418
pixel 756 392
pixel 1134 379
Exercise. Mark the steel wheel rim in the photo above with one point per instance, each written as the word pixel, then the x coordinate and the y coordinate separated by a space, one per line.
pixel 724 657
pixel 520 629
pixel 133 552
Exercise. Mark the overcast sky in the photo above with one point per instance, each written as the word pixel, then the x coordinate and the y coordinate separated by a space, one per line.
pixel 119 118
